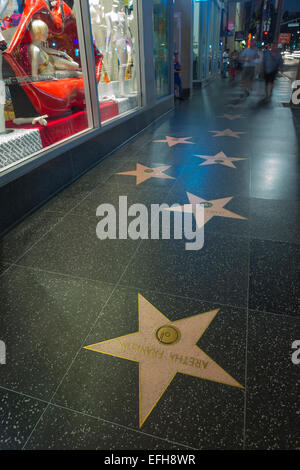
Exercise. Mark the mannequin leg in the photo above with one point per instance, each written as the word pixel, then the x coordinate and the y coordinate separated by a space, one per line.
pixel 99 36
pixel 111 61
pixel 122 56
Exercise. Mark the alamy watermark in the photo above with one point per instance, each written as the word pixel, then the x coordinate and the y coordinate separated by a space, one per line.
pixel 296 353
pixel 296 92
pixel 138 223
pixel 2 353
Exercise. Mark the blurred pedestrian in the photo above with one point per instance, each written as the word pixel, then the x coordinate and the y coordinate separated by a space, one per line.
pixel 259 64
pixel 248 57
pixel 177 77
pixel 272 63
pixel 234 64
pixel 225 62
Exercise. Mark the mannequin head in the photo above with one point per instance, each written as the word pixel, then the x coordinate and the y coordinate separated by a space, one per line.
pixel 39 31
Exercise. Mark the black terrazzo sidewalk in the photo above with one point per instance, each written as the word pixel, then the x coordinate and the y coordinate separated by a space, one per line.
pixel 62 289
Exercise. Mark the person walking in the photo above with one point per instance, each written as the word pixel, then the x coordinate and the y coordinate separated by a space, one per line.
pixel 259 63
pixel 272 63
pixel 248 58
pixel 225 63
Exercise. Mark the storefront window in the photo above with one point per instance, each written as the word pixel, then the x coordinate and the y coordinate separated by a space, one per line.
pixel 200 40
pixel 196 37
pixel 161 47
pixel 211 38
pixel 43 97
pixel 206 39
pixel 115 34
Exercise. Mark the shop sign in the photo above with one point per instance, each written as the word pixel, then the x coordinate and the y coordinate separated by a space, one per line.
pixel 230 26
pixel 284 38
pixel 239 36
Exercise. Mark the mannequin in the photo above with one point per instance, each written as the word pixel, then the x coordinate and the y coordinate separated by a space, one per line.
pixel 131 25
pixel 3 8
pixel 98 24
pixel 7 8
pixel 46 61
pixel 11 6
pixel 131 19
pixel 118 35
pixel 99 30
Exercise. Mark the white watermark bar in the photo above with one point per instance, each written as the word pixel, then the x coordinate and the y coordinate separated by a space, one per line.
pixel 2 353
pixel 296 92
pixel 296 354
pixel 138 223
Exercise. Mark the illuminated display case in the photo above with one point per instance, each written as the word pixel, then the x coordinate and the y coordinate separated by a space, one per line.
pixel 43 84
pixel 115 35
pixel 77 80
pixel 44 87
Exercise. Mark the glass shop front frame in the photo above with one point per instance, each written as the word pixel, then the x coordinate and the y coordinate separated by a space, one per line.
pixel 68 70
pixel 206 39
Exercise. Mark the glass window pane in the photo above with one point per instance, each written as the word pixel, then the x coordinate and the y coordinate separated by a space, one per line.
pixel 196 45
pixel 203 45
pixel 115 34
pixel 42 88
pixel 161 47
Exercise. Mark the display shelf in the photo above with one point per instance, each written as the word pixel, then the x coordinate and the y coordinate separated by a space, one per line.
pixel 111 89
pixel 128 103
pixel 18 144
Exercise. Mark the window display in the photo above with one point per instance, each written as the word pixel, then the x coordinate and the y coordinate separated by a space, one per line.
pixel 114 27
pixel 43 79
pixel 161 20
pixel 42 89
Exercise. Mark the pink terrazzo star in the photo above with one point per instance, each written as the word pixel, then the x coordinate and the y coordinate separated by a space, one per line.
pixel 214 208
pixel 143 173
pixel 219 159
pixel 228 133
pixel 232 117
pixel 172 141
pixel 163 348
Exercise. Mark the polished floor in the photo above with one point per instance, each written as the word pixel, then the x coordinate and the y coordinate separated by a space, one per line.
pixel 124 344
